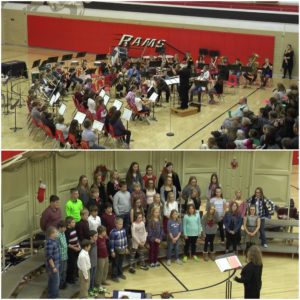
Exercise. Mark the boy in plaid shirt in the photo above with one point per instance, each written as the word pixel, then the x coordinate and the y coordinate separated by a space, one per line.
pixel 52 262
pixel 63 250
pixel 118 248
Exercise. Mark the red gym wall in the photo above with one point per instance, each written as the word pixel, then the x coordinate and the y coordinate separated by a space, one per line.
pixel 100 37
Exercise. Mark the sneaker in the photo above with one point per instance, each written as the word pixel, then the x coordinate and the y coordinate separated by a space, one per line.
pixel 157 264
pixel 115 279
pixel 178 261
pixel 145 268
pixel 122 276
pixel 195 258
pixel 168 262
pixel 131 270
pixel 185 259
pixel 152 265
pixel 265 245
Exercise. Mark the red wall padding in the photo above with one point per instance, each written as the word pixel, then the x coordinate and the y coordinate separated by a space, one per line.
pixel 9 154
pixel 296 158
pixel 100 37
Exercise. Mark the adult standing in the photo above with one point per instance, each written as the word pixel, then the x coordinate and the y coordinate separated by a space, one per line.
pixel 51 216
pixel 83 189
pixel 251 274
pixel 168 171
pixel 264 209
pixel 288 61
pixel 184 84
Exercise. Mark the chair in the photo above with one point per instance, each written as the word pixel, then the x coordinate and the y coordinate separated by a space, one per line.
pixel 59 136
pixel 137 113
pixel 49 134
pixel 116 138
pixel 72 140
pixel 84 145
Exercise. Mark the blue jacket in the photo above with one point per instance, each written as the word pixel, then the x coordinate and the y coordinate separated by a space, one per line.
pixel 232 222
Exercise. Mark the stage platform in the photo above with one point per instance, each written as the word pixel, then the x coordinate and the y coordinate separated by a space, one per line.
pixel 184 112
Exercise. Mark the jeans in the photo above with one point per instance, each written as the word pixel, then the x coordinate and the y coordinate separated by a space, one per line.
pixel 153 252
pixel 221 229
pixel 231 239
pixel 62 271
pixel 262 234
pixel 126 221
pixel 53 284
pixel 92 277
pixel 117 263
pixel 172 246
pixel 209 239
pixel 190 242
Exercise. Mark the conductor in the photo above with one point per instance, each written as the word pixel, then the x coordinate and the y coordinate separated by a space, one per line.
pixel 184 84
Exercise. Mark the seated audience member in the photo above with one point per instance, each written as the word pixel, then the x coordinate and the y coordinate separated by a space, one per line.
pixel 89 136
pixel 239 141
pixel 61 126
pixel 119 128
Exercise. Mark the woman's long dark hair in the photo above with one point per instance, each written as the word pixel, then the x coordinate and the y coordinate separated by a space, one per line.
pixel 115 117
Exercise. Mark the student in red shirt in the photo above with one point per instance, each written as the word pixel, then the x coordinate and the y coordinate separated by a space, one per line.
pixel 149 175
pixel 108 218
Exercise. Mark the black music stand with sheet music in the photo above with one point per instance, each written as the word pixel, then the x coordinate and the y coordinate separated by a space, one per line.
pixel 52 59
pixel 203 51
pixel 81 54
pixel 43 65
pixel 36 63
pixel 227 263
pixel 66 57
pixel 101 57
pixel 214 53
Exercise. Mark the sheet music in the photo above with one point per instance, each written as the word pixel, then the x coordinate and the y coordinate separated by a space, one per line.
pixel 234 262
pixel 173 81
pixel 57 96
pixel 62 109
pixel 223 264
pixel 102 93
pixel 80 117
pixel 97 125
pixel 153 97
pixel 127 114
pixel 168 81
pixel 151 86
pixel 52 101
pixel 105 99
pixel 117 104
pixel 177 81
pixel 130 295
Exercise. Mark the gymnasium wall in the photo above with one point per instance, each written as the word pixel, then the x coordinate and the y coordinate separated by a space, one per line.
pixel 101 37
pixel 282 34
pixel 61 170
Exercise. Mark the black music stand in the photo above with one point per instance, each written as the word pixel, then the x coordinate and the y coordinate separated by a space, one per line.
pixel 200 84
pixel 14 106
pixel 234 68
pixel 247 69
pixel 214 53
pixel 80 54
pixel 101 56
pixel 203 51
pixel 90 71
pixel 52 59
pixel 155 63
pixel 67 57
pixel 36 63
pixel 43 65
pixel 233 265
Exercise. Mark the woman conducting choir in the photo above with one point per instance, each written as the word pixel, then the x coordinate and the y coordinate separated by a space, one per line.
pixel 251 274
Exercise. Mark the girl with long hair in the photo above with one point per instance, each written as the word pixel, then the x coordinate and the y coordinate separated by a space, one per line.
pixel 134 175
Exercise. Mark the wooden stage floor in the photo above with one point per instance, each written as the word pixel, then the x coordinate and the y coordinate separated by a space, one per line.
pixel 188 131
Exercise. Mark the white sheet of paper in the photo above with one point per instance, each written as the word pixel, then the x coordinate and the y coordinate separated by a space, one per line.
pixel 117 104
pixel 62 109
pixel 127 114
pixel 223 264
pixel 153 97
pixel 52 101
pixel 105 99
pixel 130 295
pixel 151 86
pixel 97 125
pixel 102 93
pixel 168 81
pixel 173 80
pixel 177 79
pixel 80 117
pixel 57 96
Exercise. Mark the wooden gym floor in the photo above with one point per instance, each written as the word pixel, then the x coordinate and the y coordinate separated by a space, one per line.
pixel 189 131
